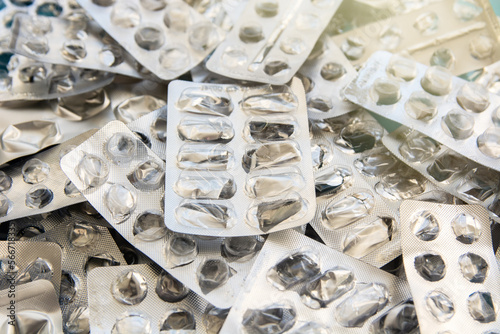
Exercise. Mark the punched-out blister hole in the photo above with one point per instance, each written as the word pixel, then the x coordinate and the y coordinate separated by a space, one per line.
pixel 137 106
pixel 213 274
pixel 74 50
pixel 241 249
pixel 169 289
pixel 418 147
pixel 430 266
pixel 129 288
pixel 298 267
pixel 281 317
pixel 448 166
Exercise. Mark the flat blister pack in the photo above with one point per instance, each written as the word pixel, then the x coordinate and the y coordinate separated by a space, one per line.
pixel 166 37
pixel 238 159
pixel 36 184
pixel 463 116
pixel 84 247
pixel 22 262
pixel 142 299
pixel 310 288
pixel 73 40
pixel 450 266
pixel 24 78
pixel 272 40
pixel 123 179
pixel 325 74
pixel 449 170
pixel 35 309
pixel 460 35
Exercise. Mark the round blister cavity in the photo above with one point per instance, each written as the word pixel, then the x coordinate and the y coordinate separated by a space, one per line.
pixel 489 142
pixel 120 201
pixel 319 104
pixel 430 266
pixel 390 37
pixel 150 226
pixel 473 267
pixel 421 106
pixel 169 289
pixel 148 175
pixel 359 137
pixel 111 55
pixel 425 226
pixel 353 47
pixel 129 288
pixel 74 50
pixel 36 73
pixel 121 148
pixel 418 148
pixel 178 320
pixel 153 5
pixel 473 97
pixel 482 47
pixel 39 25
pixel 332 71
pixel 178 17
pixel 251 33
pixel 482 307
pixel 159 128
pixel 39 197
pixel 306 82
pixel 82 236
pixel 385 91
pixel 457 124
pixel 149 38
pixel 92 171
pixel 132 323
pixel 5 205
pixel 427 23
pixel 234 57
pixel 437 81
pixel 213 273
pixel 266 8
pixel 203 36
pixel 241 249
pixel 439 305
pixel 292 45
pixel 443 57
pixel 5 182
pixel 35 171
pixel 180 250
pixel 125 15
pixel 37 45
pixel 175 58
pixel 402 68
pixel 276 67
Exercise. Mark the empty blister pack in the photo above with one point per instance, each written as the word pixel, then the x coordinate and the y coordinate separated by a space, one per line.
pixel 152 130
pixel 142 299
pixel 169 37
pixel 449 170
pixel 238 158
pixel 459 35
pixel 37 184
pixel 31 308
pixel 459 114
pixel 73 40
pixel 272 40
pixel 312 287
pixel 22 262
pixel 23 78
pixel 84 248
pixel 451 267
pixel 325 74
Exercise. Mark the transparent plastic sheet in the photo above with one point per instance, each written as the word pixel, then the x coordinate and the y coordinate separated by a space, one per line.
pixel 135 210
pixel 36 308
pixel 300 265
pixel 453 112
pixel 147 312
pixel 271 51
pixel 450 266
pixel 258 143
pixel 450 171
pixel 460 33
pixel 168 40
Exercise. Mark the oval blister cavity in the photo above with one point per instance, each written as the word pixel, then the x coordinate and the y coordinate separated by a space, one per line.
pixel 367 237
pixel 430 266
pixel 345 211
pixel 200 129
pixel 206 214
pixel 439 305
pixel 482 307
pixel 425 226
pixel 474 268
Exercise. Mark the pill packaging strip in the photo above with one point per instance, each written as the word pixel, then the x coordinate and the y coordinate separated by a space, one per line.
pixel 26 253
pixel 264 46
pixel 89 241
pixel 359 92
pixel 84 47
pixel 105 310
pixel 453 284
pixel 29 79
pixel 152 127
pixel 276 248
pixel 397 138
pixel 38 296
pixel 238 144
pixel 327 72
pixel 151 201
pixel 472 41
pixel 183 45
pixel 39 176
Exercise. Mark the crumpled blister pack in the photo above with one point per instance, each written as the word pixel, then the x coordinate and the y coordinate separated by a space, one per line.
pixel 450 266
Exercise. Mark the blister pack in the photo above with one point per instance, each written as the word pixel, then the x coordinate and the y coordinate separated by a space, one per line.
pixel 26 261
pixel 272 40
pixel 238 159
pixel 449 170
pixel 490 78
pixel 152 130
pixel 312 288
pixel 463 116
pixel 169 37
pixel 73 40
pixel 123 179
pixel 450 266
pixel 37 184
pixel 32 308
pixel 459 35
pixel 325 74
pixel 84 248
pixel 28 79
pixel 142 299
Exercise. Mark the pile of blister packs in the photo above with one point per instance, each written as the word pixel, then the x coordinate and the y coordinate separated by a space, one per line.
pixel 249 166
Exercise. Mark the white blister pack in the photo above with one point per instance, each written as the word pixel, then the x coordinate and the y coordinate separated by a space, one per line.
pixel 238 159
pixel 123 179
pixel 312 287
pixel 152 130
pixel 325 74
pixel 447 169
pixel 459 35
pixel 166 37
pixel 138 297
pixel 463 116
pixel 272 39
pixel 73 40
pixel 450 266
pixel 35 185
